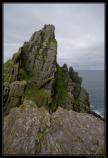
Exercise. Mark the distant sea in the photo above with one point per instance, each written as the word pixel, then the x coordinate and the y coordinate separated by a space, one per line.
pixel 93 82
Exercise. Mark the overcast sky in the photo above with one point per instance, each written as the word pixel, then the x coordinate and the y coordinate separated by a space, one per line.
pixel 79 30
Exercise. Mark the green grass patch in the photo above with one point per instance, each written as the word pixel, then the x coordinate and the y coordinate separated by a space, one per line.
pixel 22 108
pixel 30 93
pixel 40 135
pixel 102 151
pixel 38 96
pixel 42 98
pixel 6 77
pixel 60 90
pixel 40 57
pixel 53 41
pixel 26 103
pixel 77 104
pixel 23 74
pixel 16 57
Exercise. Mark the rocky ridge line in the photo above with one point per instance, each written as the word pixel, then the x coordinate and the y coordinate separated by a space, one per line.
pixel 35 63
pixel 46 110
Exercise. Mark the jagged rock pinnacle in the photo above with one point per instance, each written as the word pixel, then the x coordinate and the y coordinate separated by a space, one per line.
pixel 46 109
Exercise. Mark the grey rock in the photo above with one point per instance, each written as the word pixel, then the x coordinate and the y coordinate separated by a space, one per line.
pixel 36 63
pixel 41 59
pixel 15 95
pixel 65 68
pixel 31 130
pixel 14 67
pixel 75 76
pixel 84 101
pixel 6 89
pixel 17 88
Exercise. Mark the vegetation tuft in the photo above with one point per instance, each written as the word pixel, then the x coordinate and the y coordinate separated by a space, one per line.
pixel 60 90
pixel 6 77
pixel 23 74
pixel 76 104
pixel 42 97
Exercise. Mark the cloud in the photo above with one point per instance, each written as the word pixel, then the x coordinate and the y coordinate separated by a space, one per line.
pixel 79 30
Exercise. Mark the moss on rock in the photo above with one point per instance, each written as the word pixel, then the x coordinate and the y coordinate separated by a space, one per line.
pixel 76 105
pixel 60 90
pixel 102 151
pixel 42 98
pixel 22 108
pixel 23 75
pixel 30 93
pixel 6 76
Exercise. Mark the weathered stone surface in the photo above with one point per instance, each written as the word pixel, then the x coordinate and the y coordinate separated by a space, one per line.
pixel 17 88
pixel 15 95
pixel 38 56
pixel 72 81
pixel 6 75
pixel 23 129
pixel 14 67
pixel 43 98
pixel 74 133
pixel 65 68
pixel 33 85
pixel 5 94
pixel 69 102
pixel 84 101
pixel 31 130
pixel 67 79
pixel 74 76
pixel 71 71
pixel 35 61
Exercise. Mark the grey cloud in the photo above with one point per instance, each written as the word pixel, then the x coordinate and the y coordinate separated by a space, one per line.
pixel 79 30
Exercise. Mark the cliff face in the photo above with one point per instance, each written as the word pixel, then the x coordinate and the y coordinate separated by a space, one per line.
pixel 34 89
pixel 35 63
pixel 47 84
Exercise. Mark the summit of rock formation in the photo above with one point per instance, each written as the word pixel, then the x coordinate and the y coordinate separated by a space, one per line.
pixel 46 109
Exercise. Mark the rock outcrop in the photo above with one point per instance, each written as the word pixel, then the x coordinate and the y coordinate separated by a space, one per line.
pixel 35 62
pixel 36 59
pixel 48 84
pixel 46 109
pixel 13 95
pixel 29 130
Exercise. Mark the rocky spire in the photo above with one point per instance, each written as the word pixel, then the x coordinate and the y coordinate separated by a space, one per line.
pixel 37 80
pixel 36 63
pixel 37 57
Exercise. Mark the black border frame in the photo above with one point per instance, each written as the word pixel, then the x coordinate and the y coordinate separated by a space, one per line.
pixel 105 76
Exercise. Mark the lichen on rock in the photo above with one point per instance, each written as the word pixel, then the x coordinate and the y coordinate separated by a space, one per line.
pixel 36 132
pixel 15 95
